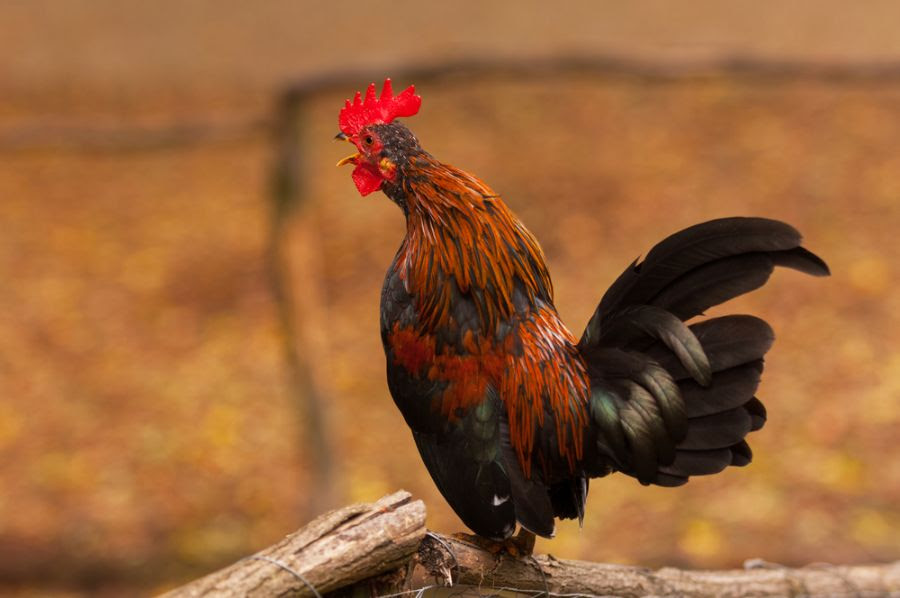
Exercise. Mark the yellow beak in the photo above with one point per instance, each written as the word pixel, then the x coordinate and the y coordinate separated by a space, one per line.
pixel 351 159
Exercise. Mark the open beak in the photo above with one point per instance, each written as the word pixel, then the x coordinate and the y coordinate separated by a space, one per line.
pixel 351 159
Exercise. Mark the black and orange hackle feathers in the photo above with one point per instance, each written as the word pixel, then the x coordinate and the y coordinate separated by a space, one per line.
pixel 512 415
pixel 462 240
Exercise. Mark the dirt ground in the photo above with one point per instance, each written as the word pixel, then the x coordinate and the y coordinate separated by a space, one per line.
pixel 146 430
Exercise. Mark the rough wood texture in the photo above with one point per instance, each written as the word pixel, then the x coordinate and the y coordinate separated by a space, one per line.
pixel 337 549
pixel 357 545
pixel 471 565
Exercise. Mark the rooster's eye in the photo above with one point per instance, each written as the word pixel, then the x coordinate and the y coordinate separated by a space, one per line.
pixel 368 140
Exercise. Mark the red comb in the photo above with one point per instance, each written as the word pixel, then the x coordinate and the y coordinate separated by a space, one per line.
pixel 374 110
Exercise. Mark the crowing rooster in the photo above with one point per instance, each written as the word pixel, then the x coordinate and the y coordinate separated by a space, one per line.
pixel 511 414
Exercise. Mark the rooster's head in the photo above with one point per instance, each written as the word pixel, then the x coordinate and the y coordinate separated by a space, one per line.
pixel 381 143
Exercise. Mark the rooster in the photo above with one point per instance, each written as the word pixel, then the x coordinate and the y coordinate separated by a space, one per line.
pixel 513 415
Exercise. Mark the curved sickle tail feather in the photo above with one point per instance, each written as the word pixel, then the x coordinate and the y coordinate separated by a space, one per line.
pixel 671 400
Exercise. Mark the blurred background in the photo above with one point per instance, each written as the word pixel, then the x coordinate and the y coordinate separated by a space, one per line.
pixel 190 365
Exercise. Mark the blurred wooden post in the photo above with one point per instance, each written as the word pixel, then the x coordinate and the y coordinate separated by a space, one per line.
pixel 286 194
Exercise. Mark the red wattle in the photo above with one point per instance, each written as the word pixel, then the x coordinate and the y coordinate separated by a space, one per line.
pixel 366 179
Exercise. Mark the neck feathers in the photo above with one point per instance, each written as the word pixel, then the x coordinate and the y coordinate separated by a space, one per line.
pixel 462 240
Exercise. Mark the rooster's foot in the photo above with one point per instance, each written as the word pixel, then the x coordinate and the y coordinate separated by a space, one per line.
pixel 518 546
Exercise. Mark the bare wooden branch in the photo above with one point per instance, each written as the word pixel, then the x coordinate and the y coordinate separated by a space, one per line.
pixel 366 549
pixel 471 565
pixel 337 549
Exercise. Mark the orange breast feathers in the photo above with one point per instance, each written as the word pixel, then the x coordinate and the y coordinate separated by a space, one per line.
pixel 535 369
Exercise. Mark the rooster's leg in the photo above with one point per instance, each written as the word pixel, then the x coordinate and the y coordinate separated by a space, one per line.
pixel 523 542
pixel 519 546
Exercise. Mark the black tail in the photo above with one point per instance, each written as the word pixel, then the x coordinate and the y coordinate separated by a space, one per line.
pixel 670 400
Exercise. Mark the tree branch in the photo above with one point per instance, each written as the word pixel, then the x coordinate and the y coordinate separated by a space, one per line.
pixel 353 548
pixel 471 565
pixel 335 550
